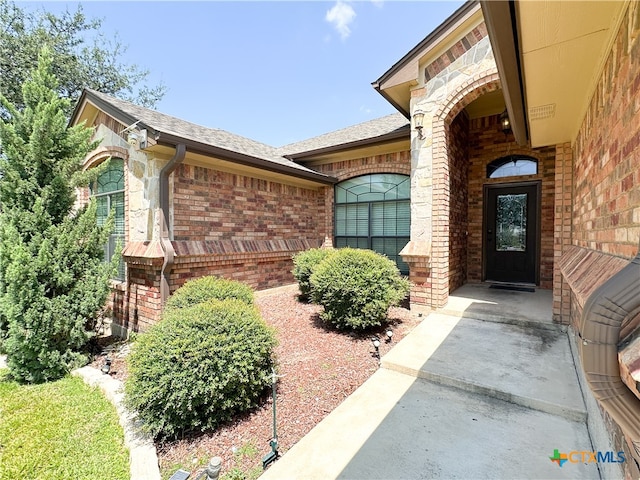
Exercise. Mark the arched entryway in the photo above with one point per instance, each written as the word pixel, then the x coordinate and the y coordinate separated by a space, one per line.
pixel 475 179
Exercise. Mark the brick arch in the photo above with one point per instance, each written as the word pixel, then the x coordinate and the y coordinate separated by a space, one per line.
pixel 480 84
pixel 371 169
pixel 100 154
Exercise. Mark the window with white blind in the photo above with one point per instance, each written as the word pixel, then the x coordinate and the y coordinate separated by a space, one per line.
pixel 108 191
pixel 374 212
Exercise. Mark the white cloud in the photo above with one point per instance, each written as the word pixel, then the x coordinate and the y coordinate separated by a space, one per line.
pixel 378 3
pixel 340 16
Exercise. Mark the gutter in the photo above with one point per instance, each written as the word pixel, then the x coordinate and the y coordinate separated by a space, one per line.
pixel 165 237
pixel 243 159
pixel 609 307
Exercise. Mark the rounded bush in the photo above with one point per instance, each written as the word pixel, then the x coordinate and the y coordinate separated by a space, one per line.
pixel 304 264
pixel 207 288
pixel 199 366
pixel 356 288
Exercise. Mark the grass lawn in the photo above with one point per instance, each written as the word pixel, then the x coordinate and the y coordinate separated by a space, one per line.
pixel 62 430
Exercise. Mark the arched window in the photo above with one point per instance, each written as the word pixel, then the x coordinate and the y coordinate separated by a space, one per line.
pixel 374 212
pixel 512 166
pixel 108 191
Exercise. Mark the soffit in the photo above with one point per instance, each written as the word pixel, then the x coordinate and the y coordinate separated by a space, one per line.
pixel 491 103
pixel 563 46
pixel 166 152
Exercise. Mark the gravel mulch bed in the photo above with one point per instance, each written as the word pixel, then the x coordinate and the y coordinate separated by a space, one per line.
pixel 318 367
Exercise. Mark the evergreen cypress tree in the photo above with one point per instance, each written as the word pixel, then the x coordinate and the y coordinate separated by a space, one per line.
pixel 53 280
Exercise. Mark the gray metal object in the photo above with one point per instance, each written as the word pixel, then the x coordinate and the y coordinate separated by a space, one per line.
pixel 273 455
pixel 605 311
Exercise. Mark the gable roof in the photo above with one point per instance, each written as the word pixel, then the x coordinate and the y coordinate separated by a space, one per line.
pixel 390 127
pixel 394 84
pixel 168 130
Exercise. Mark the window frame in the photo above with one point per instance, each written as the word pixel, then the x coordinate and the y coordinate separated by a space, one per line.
pixel 109 248
pixel 370 237
pixel 495 166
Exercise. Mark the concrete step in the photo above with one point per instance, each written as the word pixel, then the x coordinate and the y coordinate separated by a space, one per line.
pixel 525 365
pixel 481 302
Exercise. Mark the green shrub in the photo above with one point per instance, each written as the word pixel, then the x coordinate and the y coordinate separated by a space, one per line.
pixel 203 289
pixel 304 263
pixel 199 366
pixel 356 288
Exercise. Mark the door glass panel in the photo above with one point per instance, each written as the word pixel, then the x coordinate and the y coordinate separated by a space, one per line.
pixel 511 223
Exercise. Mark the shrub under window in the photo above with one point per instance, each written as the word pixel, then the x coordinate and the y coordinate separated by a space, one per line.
pixel 356 288
pixel 304 263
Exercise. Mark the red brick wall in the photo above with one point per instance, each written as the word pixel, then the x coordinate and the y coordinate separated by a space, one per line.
pixel 142 302
pixel 487 143
pixel 607 156
pixel 214 205
pixel 458 207
pixel 261 271
pixel 606 176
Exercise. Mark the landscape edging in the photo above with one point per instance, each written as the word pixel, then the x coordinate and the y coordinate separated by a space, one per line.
pixel 142 451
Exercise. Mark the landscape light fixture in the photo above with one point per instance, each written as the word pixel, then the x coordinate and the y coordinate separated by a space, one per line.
pixel 273 455
pixel 505 123
pixel 389 335
pixel 375 341
pixel 106 367
pixel 418 118
pixel 213 469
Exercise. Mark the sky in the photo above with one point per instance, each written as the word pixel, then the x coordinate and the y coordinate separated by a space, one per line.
pixel 275 72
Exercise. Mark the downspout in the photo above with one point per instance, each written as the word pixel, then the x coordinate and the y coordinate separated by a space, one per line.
pixel 608 307
pixel 165 237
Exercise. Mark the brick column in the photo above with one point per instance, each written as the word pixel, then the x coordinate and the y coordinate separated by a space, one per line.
pixel 440 244
pixel 417 254
pixel 562 230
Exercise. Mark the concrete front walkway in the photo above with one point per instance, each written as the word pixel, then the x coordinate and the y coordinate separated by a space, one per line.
pixel 485 388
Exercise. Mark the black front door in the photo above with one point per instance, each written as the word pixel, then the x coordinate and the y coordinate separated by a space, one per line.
pixel 511 232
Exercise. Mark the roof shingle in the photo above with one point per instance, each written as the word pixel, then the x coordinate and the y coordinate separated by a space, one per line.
pixel 214 137
pixel 370 130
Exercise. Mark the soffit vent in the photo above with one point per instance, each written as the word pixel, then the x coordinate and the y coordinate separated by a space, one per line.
pixel 542 111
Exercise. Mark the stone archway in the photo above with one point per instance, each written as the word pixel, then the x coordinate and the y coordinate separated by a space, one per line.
pixel 428 251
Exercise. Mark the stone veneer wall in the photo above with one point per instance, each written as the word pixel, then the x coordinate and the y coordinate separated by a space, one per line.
pixel 450 82
pixel 135 303
pixel 487 142
pixel 458 208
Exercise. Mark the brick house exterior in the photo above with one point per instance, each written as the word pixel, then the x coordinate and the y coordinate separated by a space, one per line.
pixel 240 209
